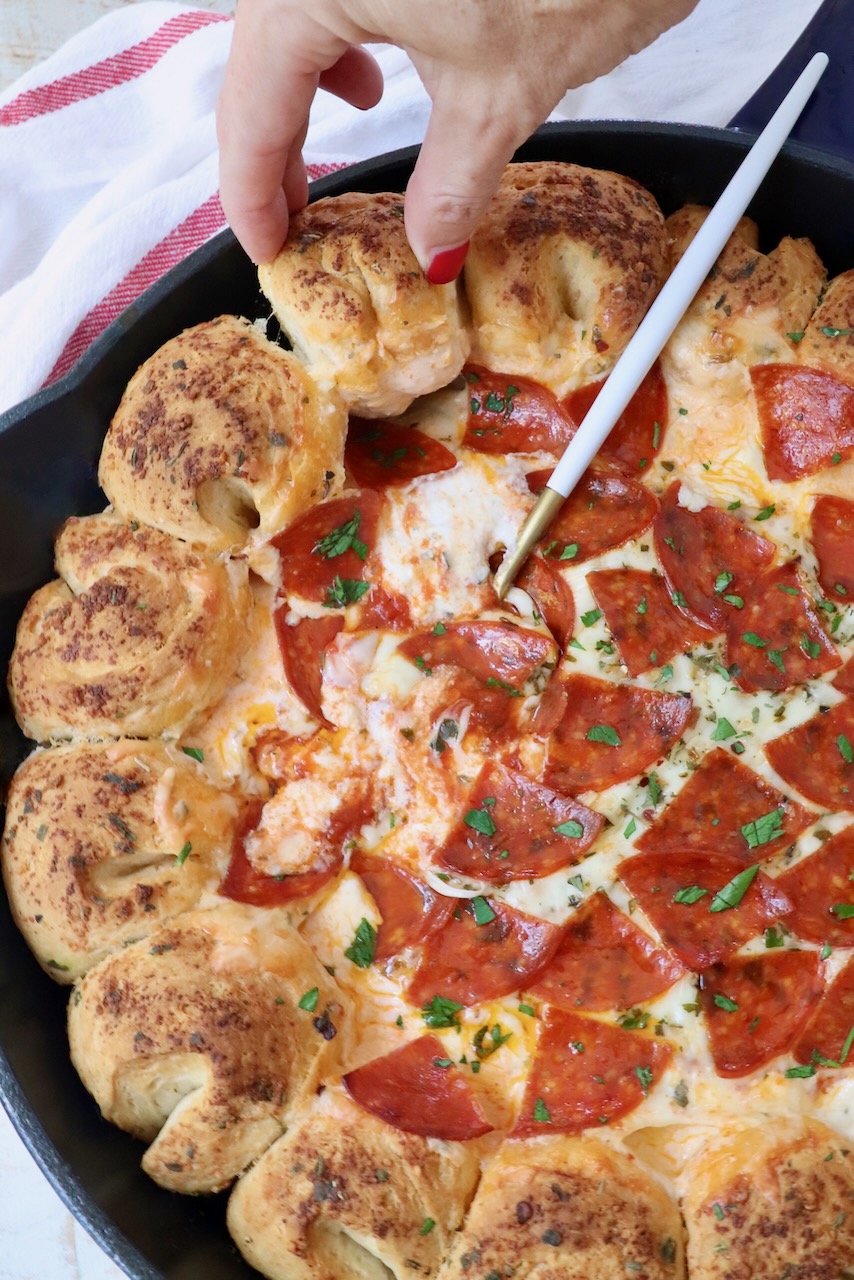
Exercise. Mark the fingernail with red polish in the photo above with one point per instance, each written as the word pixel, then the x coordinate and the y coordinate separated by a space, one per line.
pixel 445 265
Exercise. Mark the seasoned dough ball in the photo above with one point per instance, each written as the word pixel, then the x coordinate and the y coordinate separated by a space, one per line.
pixel 142 636
pixel 221 438
pixel 828 340
pixel 104 842
pixel 568 1209
pixel 343 1196
pixel 560 272
pixel 349 293
pixel 194 1041
pixel 772 1201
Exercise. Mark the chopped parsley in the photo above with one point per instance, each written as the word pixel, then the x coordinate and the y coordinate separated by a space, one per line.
pixel 195 753
pixel 541 1112
pixel 344 591
pixel 361 949
pixel 480 820
pixel 731 894
pixel 689 895
pixel 181 858
pixel 309 1000
pixel 441 1012
pixel 604 733
pixel 341 539
pixel 483 913
pixel 763 830
pixel 572 829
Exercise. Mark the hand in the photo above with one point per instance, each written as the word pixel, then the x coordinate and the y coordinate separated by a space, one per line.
pixel 494 70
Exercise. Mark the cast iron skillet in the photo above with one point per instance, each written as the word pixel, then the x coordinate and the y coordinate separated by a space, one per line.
pixel 49 449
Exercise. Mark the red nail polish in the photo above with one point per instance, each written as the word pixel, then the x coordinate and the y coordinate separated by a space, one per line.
pixel 447 264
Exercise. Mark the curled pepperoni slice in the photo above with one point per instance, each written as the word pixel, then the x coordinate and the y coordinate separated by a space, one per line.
pixel 551 594
pixel 587 1073
pixel 776 640
pixel 496 652
pixel 243 883
pixel 817 758
pixel 726 808
pixel 637 436
pixel 303 648
pixel 806 418
pixel 513 415
pixel 707 555
pixel 609 732
pixel 468 961
pixel 833 541
pixel 328 545
pixel 821 888
pixel 756 1006
pixel 411 911
pixel 604 511
pixel 382 455
pixel 703 906
pixel 412 1091
pixel 604 961
pixel 829 1035
pixel 646 625
pixel 516 829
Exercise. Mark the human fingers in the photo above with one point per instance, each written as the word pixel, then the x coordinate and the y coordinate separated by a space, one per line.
pixel 355 78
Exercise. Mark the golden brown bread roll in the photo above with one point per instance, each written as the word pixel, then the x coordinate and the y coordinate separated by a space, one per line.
pixel 142 636
pixel 560 272
pixel 194 1041
pixel 221 437
pixel 770 1202
pixel 349 293
pixel 568 1209
pixel 104 842
pixel 344 1196
pixel 828 340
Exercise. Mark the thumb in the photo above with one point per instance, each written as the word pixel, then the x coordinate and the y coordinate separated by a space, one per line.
pixel 468 143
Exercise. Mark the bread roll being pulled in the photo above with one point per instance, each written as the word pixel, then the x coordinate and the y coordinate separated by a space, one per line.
pixel 344 1196
pixel 104 842
pixel 194 1040
pixel 138 637
pixel 568 1209
pixel 221 438
pixel 561 269
pixel 351 297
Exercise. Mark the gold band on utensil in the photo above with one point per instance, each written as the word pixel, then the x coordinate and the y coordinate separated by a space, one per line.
pixel 538 520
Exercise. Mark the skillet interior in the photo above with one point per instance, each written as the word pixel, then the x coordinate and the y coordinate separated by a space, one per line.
pixel 48 459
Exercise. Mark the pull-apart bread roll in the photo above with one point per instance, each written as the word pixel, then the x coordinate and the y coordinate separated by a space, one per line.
pixel 560 272
pixel 139 637
pixel 344 1196
pixel 221 435
pixel 104 842
pixel 772 1202
pixel 351 297
pixel 828 341
pixel 562 1208
pixel 194 1040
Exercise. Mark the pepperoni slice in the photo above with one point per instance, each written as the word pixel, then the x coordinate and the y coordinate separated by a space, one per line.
pixel 638 434
pixel 329 542
pixel 470 962
pixel 550 592
pixel 833 541
pixel 806 417
pixel 756 1007
pixel 707 555
pixel 496 652
pixel 717 811
pixel 382 455
pixel 411 911
pixel 827 1038
pixel 844 682
pixel 646 625
pixel 587 1073
pixel 243 883
pixel 821 889
pixel 516 829
pixel 513 415
pixel 303 648
pixel 776 640
pixel 412 1091
pixel 817 758
pixel 604 511
pixel 609 732
pixel 385 610
pixel 680 893
pixel 604 961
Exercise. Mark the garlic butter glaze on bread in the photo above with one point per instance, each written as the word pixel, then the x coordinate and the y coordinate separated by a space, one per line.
pixel 352 299
pixel 105 841
pixel 221 438
pixel 343 1194
pixel 560 272
pixel 138 637
pixel 193 1040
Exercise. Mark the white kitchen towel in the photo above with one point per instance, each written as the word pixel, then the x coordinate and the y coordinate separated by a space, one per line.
pixel 108 169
